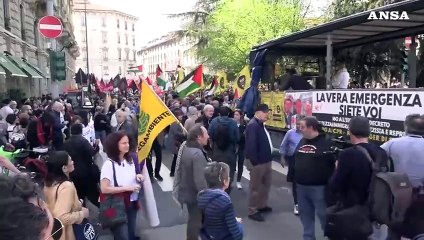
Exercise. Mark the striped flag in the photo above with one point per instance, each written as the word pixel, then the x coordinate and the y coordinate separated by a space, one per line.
pixel 160 78
pixel 138 69
pixel 191 83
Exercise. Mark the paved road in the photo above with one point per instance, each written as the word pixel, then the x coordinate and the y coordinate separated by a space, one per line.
pixel 280 224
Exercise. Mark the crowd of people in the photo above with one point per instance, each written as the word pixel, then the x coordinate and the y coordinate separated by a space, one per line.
pixel 211 144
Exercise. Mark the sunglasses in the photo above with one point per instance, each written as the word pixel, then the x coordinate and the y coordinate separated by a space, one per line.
pixel 58 226
pixel 57 230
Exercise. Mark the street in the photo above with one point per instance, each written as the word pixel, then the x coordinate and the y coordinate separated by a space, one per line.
pixel 280 224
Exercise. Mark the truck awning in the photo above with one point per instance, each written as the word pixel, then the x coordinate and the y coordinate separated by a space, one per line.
pixel 356 29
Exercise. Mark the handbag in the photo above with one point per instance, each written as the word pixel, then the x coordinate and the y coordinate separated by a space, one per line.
pixel 112 212
pixel 84 230
pixel 348 223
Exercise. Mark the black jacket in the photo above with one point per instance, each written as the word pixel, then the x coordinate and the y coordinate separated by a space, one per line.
pixel 82 153
pixel 314 161
pixel 258 150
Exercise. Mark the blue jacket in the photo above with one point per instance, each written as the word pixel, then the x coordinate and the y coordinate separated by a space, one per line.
pixel 258 149
pixel 234 133
pixel 219 220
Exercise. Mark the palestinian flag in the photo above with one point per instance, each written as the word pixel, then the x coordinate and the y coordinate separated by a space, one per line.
pixel 213 87
pixel 160 78
pixel 191 83
pixel 136 70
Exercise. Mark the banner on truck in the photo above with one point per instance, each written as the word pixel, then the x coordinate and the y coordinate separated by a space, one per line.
pixel 297 104
pixel 386 110
pixel 275 102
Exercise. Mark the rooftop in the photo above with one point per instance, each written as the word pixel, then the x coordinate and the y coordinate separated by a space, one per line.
pixel 81 5
pixel 161 40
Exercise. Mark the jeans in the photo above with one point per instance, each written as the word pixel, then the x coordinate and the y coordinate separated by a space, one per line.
pixel 240 164
pixel 101 135
pixel 157 149
pixel 194 224
pixel 127 231
pixel 311 200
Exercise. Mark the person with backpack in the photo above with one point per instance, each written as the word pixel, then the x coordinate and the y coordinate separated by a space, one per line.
pixel 350 184
pixel 224 135
pixel 406 153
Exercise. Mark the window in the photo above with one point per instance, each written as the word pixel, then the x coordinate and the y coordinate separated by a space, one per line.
pixel 104 37
pixel 36 34
pixel 82 20
pixel 126 25
pixel 119 38
pixel 105 54
pixel 126 39
pixel 103 22
pixel 127 52
pixel 84 54
pixel 133 40
pixel 120 70
pixel 119 54
pixel 83 39
pixel 133 27
pixel 117 23
pixel 105 70
pixel 6 13
pixel 22 16
pixel 134 55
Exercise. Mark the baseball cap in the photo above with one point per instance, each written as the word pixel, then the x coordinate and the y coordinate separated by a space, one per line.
pixel 360 126
pixel 262 108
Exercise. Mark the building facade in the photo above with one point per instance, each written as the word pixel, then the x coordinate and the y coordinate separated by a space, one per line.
pixel 168 52
pixel 110 39
pixel 20 40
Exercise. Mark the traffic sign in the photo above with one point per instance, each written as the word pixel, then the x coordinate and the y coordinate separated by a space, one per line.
pixel 50 26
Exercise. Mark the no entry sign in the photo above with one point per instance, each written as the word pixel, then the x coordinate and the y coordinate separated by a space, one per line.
pixel 50 26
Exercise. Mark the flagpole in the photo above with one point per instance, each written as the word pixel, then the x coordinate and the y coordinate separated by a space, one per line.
pixel 179 123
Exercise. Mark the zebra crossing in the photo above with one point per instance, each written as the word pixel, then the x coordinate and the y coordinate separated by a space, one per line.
pixel 167 184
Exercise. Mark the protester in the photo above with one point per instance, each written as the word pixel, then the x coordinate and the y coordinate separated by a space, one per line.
pixel 189 178
pixel 314 152
pixel 61 195
pixel 287 150
pixel 120 166
pixel 241 124
pixel 258 162
pixel 219 221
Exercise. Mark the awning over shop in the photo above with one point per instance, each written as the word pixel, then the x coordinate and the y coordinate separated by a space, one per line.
pixel 2 71
pixel 26 67
pixel 38 70
pixel 10 67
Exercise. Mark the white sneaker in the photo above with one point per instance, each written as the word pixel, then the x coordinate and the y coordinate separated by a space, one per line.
pixel 239 185
pixel 296 210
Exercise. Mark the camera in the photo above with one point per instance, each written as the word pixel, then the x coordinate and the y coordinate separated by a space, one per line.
pixel 340 144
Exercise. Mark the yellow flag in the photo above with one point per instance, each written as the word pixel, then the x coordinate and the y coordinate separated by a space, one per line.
pixel 222 81
pixel 154 118
pixel 242 82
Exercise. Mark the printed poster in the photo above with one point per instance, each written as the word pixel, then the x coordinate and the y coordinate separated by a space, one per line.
pixel 386 110
pixel 296 105
pixel 277 116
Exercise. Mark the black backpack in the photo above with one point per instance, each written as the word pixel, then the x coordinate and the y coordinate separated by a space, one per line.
pixel 222 136
pixel 390 193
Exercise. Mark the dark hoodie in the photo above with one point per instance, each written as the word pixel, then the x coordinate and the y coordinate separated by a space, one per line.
pixel 314 162
pixel 219 220
pixel 230 124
